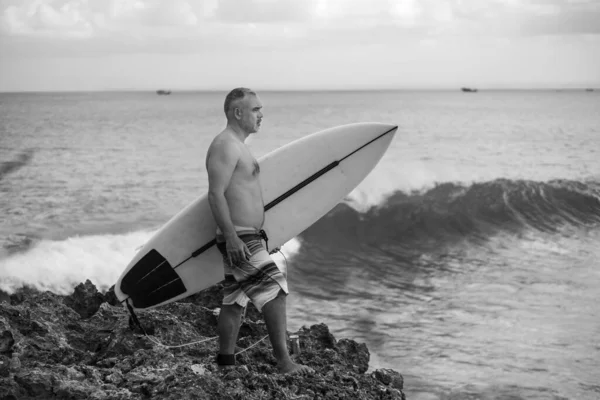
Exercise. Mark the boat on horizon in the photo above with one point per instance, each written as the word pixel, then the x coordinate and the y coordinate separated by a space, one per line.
pixel 163 92
pixel 468 90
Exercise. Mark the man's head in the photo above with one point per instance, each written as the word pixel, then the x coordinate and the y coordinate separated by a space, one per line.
pixel 243 108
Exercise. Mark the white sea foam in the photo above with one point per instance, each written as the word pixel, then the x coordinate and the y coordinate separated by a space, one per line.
pixel 386 178
pixel 58 266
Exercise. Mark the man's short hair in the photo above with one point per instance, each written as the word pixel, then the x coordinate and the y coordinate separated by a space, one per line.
pixel 237 93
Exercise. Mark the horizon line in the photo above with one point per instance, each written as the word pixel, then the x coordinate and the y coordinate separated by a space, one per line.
pixel 288 90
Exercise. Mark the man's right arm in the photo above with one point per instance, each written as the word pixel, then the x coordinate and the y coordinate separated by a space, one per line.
pixel 220 164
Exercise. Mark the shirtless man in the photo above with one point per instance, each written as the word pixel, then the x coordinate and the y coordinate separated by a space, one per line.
pixel 235 198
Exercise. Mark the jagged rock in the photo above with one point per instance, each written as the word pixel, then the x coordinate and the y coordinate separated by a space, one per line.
pixel 110 297
pixel 198 369
pixel 10 390
pixel 389 377
pixel 356 354
pixel 4 366
pixel 4 297
pixel 6 342
pixel 72 347
pixel 15 363
pixel 86 299
pixel 22 293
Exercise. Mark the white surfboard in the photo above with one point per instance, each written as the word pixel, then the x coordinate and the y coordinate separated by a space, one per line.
pixel 301 182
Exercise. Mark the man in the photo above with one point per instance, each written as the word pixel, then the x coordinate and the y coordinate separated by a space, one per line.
pixel 235 197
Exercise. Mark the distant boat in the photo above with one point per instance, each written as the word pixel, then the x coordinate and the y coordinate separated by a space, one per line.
pixel 470 90
pixel 589 90
pixel 163 92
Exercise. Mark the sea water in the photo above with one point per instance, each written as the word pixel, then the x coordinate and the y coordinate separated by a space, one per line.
pixel 468 260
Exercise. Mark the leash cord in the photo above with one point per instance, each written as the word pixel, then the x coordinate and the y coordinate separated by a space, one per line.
pixel 201 341
pixel 136 321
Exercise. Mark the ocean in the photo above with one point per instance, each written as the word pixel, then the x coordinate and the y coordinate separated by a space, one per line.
pixel 468 260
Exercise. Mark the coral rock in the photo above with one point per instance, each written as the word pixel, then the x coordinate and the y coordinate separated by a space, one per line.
pixel 85 300
pixel 6 342
pixel 389 377
pixel 81 346
pixel 4 366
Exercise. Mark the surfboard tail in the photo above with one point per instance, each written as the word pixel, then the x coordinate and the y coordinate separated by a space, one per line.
pixel 151 281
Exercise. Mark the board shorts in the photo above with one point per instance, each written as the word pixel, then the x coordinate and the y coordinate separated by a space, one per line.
pixel 258 280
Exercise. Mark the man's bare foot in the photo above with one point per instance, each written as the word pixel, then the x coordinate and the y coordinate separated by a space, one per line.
pixel 291 368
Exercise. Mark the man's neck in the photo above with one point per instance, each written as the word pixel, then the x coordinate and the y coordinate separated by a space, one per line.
pixel 237 130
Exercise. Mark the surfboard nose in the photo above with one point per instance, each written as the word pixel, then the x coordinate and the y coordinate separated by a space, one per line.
pixel 387 127
pixel 374 128
pixel 374 125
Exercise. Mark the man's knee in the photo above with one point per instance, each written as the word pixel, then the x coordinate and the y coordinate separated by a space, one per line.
pixel 279 297
pixel 232 309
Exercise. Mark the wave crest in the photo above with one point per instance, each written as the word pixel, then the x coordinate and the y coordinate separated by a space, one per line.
pixel 450 212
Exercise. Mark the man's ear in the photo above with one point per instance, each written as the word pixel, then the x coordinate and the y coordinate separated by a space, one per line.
pixel 237 112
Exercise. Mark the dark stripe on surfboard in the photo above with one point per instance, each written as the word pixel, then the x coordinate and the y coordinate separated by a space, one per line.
pixel 319 174
pixel 293 190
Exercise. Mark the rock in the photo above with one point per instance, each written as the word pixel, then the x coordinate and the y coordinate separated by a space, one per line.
pixel 4 297
pixel 78 347
pixel 355 354
pixel 389 377
pixel 86 299
pixel 10 390
pixel 25 292
pixel 7 342
pixel 110 297
pixel 198 369
pixel 115 378
pixel 36 382
pixel 4 366
pixel 15 363
pixel 320 333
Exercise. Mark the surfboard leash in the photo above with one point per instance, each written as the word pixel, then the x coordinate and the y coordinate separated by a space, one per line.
pixel 134 320
pixel 203 341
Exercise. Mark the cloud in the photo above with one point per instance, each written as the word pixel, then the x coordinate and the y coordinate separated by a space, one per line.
pixel 39 17
pixel 87 18
pixel 265 11
pixel 154 13
pixel 565 18
pixel 543 17
pixel 192 25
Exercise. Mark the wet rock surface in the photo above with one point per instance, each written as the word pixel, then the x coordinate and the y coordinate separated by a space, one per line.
pixel 83 347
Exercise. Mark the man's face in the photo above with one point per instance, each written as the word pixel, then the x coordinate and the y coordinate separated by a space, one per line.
pixel 251 113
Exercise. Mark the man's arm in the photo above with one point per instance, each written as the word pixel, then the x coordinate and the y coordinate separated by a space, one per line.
pixel 220 164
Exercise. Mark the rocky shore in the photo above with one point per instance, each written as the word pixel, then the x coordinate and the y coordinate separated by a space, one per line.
pixel 82 346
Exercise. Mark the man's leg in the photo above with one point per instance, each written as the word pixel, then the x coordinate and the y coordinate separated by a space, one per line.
pixel 275 317
pixel 229 327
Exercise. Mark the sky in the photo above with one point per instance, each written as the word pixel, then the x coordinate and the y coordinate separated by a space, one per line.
pixel 65 45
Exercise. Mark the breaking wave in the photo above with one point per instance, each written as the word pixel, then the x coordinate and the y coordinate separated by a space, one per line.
pixel 450 212
pixel 407 224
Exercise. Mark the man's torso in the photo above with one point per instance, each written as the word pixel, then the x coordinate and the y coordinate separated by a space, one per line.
pixel 244 193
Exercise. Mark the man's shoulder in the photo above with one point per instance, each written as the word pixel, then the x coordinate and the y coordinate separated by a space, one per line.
pixel 224 138
pixel 224 143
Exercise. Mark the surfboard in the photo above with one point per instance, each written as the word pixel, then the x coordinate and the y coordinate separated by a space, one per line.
pixel 301 181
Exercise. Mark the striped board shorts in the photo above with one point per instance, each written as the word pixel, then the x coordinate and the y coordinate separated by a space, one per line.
pixel 258 280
